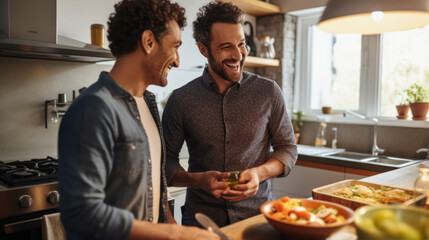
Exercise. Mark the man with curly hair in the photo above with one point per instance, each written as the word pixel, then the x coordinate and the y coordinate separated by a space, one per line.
pixel 229 120
pixel 111 151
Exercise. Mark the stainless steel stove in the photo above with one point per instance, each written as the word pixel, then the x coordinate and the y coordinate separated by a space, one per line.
pixel 28 190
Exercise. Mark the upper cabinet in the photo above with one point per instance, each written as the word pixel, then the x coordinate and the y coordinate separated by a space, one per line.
pixel 257 8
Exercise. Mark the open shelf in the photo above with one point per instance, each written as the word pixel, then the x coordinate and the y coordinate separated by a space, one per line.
pixel 261 62
pixel 255 7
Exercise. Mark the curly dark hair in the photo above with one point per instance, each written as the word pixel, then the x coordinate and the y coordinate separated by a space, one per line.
pixel 132 17
pixel 214 12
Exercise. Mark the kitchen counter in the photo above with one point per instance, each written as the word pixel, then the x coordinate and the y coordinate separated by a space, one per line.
pixel 315 155
pixel 257 227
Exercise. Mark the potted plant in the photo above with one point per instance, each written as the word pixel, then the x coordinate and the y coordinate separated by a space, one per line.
pixel 403 108
pixel 297 123
pixel 416 96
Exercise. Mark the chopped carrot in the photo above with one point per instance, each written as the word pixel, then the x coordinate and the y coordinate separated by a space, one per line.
pixel 331 218
pixel 278 205
pixel 302 214
pixel 285 199
pixel 278 216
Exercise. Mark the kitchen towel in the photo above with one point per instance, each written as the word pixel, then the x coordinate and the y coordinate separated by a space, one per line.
pixel 52 229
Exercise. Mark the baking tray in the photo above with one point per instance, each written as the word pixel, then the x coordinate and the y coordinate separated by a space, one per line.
pixel 326 193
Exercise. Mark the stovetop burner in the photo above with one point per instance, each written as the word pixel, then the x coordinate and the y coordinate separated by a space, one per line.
pixel 30 171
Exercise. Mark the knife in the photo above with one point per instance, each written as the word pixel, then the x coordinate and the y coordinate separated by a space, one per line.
pixel 206 222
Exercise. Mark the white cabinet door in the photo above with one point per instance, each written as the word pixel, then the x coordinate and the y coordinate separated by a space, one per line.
pixel 301 181
pixel 354 176
pixel 179 201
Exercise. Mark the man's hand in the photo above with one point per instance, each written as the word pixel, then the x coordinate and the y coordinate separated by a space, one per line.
pixel 213 182
pixel 186 233
pixel 248 186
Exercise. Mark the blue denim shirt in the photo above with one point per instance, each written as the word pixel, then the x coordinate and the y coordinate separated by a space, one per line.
pixel 105 166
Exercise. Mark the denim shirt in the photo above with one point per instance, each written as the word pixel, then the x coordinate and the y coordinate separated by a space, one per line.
pixel 228 132
pixel 105 166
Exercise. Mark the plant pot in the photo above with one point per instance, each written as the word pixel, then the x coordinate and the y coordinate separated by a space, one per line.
pixel 402 111
pixel 419 110
pixel 296 138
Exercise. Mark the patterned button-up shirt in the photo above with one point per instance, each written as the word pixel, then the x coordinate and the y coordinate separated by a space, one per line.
pixel 228 132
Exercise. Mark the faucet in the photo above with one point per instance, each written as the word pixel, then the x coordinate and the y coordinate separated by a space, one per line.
pixel 334 141
pixel 424 150
pixel 375 149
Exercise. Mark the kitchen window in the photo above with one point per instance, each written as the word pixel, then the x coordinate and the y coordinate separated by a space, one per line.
pixel 364 73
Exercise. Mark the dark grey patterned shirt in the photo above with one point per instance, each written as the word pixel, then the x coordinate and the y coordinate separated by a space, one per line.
pixel 228 132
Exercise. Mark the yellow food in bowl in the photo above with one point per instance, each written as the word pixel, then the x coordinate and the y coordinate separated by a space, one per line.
pixel 392 222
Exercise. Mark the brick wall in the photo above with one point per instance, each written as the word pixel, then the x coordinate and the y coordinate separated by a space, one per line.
pixel 283 28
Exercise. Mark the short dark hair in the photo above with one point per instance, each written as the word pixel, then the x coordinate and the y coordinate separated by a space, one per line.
pixel 132 17
pixel 214 12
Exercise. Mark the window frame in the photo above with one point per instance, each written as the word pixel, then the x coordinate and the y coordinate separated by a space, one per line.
pixel 370 76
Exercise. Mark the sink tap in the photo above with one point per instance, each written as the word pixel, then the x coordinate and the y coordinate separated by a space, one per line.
pixel 424 150
pixel 375 149
pixel 334 141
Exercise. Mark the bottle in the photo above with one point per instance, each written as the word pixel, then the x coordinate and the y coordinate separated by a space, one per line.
pixel 320 137
pixel 422 182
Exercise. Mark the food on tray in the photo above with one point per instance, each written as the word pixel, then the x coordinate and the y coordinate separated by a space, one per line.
pixel 386 223
pixel 382 195
pixel 291 210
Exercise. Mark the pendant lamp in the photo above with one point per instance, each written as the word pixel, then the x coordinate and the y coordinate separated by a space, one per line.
pixel 374 16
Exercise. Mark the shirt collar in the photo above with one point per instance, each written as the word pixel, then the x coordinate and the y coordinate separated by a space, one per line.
pixel 116 90
pixel 211 84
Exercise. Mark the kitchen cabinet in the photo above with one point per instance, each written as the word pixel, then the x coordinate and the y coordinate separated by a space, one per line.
pixel 257 8
pixel 179 195
pixel 306 176
pixel 301 181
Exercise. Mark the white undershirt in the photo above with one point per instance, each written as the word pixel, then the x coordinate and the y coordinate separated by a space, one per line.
pixel 155 152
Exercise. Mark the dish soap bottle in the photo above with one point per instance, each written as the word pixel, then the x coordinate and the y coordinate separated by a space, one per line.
pixel 320 137
pixel 422 182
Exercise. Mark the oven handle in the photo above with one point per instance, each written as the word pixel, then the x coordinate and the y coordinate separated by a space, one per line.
pixel 22 225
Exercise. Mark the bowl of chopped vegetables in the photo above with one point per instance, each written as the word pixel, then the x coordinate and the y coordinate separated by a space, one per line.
pixel 306 219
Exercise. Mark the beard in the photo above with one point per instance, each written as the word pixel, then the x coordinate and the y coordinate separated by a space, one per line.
pixel 219 69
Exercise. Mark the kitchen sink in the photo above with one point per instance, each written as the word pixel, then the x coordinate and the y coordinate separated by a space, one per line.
pixel 389 161
pixel 350 156
pixel 368 158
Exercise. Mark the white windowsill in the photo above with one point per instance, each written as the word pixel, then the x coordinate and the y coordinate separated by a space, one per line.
pixel 382 121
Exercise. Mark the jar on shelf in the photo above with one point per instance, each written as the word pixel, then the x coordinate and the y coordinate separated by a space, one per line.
pixel 422 182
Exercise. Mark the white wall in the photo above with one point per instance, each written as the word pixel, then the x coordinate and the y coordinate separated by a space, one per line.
pixel 25 84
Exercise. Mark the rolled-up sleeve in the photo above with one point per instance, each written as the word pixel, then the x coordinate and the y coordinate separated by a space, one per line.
pixel 85 149
pixel 281 133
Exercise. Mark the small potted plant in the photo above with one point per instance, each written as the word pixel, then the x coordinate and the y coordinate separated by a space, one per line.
pixel 403 108
pixel 297 123
pixel 416 96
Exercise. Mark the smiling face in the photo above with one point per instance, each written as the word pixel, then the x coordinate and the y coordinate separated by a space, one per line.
pixel 166 55
pixel 227 52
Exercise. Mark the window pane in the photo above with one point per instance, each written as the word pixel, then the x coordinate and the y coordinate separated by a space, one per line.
pixel 335 70
pixel 405 60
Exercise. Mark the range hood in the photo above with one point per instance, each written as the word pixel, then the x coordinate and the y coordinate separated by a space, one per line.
pixel 66 49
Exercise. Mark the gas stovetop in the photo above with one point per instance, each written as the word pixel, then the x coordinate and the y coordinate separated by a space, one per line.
pixel 34 171
pixel 28 186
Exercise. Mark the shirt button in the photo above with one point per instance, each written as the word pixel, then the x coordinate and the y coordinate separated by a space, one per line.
pixel 150 219
pixel 150 188
pixel 133 147
pixel 131 98
pixel 148 160
pixel 138 117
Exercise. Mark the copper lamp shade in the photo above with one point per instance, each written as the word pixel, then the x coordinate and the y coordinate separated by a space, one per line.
pixel 373 16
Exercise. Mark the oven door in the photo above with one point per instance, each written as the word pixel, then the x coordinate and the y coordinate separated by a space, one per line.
pixel 28 227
